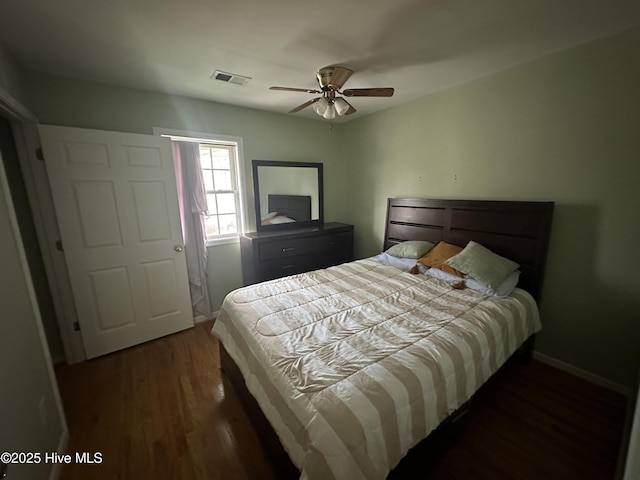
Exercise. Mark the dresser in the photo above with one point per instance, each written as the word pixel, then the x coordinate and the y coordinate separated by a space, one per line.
pixel 274 254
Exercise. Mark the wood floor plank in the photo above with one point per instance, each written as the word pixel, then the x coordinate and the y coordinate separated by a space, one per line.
pixel 161 410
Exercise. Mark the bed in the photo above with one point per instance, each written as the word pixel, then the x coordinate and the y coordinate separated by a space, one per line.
pixel 354 365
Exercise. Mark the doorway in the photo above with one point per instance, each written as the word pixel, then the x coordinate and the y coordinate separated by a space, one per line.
pixel 29 238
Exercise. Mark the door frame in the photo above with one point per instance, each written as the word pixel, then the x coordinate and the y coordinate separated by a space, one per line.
pixel 20 117
pixel 25 133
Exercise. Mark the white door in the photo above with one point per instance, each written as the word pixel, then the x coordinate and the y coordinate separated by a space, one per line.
pixel 116 203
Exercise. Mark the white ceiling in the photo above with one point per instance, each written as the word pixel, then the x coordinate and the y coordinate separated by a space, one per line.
pixel 415 46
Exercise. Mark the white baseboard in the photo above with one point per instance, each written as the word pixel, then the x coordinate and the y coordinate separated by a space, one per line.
pixel 578 372
pixel 202 318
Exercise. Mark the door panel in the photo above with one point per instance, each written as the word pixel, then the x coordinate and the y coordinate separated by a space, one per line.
pixel 111 290
pixel 151 211
pixel 97 213
pixel 116 204
pixel 160 277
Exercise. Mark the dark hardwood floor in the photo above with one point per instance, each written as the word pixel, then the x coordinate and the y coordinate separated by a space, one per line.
pixel 162 411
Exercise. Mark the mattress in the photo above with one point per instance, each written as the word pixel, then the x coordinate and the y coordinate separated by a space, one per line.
pixel 355 364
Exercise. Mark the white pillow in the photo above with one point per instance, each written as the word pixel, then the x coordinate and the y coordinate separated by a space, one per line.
pixel 400 262
pixel 504 289
pixel 507 285
pixel 281 219
pixel 482 264
pixel 410 249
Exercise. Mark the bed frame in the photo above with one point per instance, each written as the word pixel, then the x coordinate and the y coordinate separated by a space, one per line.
pixel 297 207
pixel 516 230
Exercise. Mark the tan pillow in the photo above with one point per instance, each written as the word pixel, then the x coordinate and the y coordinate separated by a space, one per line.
pixel 438 255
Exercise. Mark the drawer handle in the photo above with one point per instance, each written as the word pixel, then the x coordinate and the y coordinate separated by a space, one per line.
pixel 288 249
pixel 285 267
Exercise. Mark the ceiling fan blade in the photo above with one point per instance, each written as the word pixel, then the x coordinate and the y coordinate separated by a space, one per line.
pixel 291 89
pixel 368 92
pixel 304 105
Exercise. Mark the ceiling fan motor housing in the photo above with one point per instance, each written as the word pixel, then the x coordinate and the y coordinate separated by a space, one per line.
pixel 333 78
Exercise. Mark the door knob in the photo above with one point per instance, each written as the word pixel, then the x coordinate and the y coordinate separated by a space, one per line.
pixel 178 248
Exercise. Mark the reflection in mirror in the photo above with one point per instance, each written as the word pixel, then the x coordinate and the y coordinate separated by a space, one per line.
pixel 287 194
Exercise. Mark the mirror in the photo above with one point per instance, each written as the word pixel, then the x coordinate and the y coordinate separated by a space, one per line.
pixel 287 194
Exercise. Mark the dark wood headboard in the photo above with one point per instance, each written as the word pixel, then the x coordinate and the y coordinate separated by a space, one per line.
pixel 297 207
pixel 516 230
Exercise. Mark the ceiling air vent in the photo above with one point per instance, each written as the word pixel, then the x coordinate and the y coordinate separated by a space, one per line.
pixel 230 77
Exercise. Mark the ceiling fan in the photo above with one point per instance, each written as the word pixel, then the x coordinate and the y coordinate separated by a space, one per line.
pixel 328 104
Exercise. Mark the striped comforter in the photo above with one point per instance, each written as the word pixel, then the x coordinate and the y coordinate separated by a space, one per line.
pixel 355 364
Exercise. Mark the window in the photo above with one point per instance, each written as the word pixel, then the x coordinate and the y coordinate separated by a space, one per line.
pixel 221 164
pixel 220 183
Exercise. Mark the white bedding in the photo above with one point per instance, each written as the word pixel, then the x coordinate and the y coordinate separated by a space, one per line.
pixel 355 364
pixel 275 218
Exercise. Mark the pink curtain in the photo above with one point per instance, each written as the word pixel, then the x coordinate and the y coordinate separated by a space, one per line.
pixel 192 200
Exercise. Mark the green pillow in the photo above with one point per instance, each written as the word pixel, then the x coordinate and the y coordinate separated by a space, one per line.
pixel 482 264
pixel 410 249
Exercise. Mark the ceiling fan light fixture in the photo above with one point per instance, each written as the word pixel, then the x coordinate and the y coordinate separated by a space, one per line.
pixel 330 112
pixel 341 106
pixel 328 104
pixel 320 107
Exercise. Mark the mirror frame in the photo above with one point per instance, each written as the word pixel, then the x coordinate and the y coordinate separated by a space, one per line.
pixel 256 193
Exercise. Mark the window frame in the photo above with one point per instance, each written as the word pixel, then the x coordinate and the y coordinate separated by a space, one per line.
pixel 237 173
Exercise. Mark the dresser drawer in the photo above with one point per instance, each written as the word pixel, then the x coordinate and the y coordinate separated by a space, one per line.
pixel 285 248
pixel 332 243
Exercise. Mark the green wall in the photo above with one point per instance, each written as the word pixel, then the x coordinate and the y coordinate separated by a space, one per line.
pixel 27 375
pixel 14 92
pixel 266 136
pixel 563 128
pixel 11 80
pixel 29 238
pixel 28 379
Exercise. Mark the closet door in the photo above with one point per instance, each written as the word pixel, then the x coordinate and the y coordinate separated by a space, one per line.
pixel 117 208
